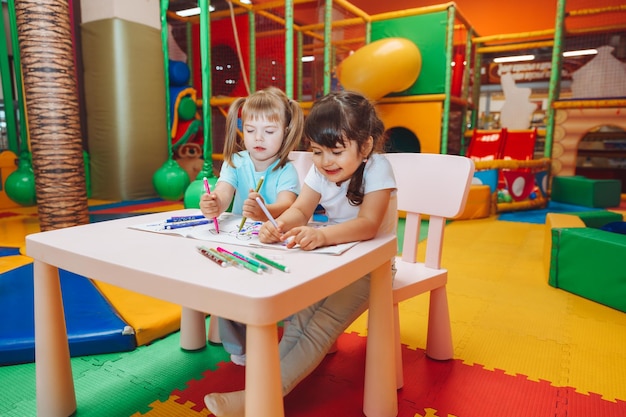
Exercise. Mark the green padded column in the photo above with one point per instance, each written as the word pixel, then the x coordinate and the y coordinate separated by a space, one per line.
pixel 125 100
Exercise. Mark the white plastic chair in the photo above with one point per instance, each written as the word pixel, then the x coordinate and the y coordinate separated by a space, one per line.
pixel 434 185
pixel 430 185
pixel 302 160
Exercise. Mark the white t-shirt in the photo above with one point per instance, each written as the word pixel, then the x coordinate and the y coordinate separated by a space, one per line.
pixel 378 175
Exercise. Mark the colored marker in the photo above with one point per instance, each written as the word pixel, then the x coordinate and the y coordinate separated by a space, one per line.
pixel 241 262
pixel 176 219
pixel 212 256
pixel 225 259
pixel 269 262
pixel 207 188
pixel 258 187
pixel 180 225
pixel 266 211
pixel 252 261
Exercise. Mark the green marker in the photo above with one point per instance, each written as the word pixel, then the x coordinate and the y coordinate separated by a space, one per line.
pixel 269 262
pixel 237 261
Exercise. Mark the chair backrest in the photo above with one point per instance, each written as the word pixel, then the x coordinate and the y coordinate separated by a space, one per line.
pixel 302 160
pixel 519 145
pixel 486 145
pixel 430 184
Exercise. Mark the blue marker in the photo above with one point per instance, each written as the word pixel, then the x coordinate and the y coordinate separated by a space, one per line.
pixel 176 219
pixel 180 225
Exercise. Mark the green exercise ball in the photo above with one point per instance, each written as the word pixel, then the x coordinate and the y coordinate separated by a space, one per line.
pixel 170 181
pixel 187 108
pixel 195 191
pixel 20 184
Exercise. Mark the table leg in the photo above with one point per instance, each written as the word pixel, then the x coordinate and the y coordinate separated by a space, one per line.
pixel 214 330
pixel 380 397
pixel 264 396
pixel 192 329
pixel 55 385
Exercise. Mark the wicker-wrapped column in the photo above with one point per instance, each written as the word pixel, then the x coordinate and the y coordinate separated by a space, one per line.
pixel 52 108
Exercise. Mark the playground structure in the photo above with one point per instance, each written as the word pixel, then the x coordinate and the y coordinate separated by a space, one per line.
pixel 417 78
pixel 427 105
pixel 567 117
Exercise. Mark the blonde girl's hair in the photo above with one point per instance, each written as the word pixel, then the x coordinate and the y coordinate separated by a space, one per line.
pixel 273 105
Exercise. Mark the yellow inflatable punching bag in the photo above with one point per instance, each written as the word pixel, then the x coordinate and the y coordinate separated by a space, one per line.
pixel 385 66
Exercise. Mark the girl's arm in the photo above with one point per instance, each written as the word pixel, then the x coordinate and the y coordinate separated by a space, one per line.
pixel 298 214
pixel 363 227
pixel 252 210
pixel 214 204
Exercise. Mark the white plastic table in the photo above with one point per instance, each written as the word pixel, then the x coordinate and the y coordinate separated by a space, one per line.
pixel 169 268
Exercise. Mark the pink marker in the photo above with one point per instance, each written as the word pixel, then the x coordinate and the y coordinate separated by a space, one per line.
pixel 207 188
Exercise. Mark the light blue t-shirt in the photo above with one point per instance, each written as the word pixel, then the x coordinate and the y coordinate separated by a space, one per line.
pixel 243 177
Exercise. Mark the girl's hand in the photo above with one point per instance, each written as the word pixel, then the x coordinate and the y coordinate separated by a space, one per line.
pixel 251 209
pixel 307 237
pixel 209 205
pixel 270 234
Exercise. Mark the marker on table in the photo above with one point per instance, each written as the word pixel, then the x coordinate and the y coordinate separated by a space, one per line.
pixel 258 187
pixel 225 259
pixel 212 256
pixel 175 219
pixel 252 261
pixel 180 225
pixel 207 188
pixel 267 212
pixel 240 261
pixel 269 262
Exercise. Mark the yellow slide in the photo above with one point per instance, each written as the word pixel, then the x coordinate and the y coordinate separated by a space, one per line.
pixel 385 66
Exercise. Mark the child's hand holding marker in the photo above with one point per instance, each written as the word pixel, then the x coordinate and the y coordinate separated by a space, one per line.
pixel 250 208
pixel 207 188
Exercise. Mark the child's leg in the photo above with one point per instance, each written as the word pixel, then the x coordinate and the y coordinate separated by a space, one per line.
pixel 313 330
pixel 233 335
pixel 308 337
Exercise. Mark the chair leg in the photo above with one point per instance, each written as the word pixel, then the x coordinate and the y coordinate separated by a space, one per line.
pixel 399 372
pixel 439 341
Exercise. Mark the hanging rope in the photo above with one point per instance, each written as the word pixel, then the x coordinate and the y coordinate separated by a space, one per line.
pixel 244 73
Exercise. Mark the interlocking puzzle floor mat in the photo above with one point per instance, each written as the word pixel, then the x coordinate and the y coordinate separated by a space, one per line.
pixel 522 348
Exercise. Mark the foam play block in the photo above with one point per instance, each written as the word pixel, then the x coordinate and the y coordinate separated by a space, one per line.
pixel 582 191
pixel 589 263
pixel 556 221
pixel 150 317
pixel 478 204
pixel 598 218
pixel 93 326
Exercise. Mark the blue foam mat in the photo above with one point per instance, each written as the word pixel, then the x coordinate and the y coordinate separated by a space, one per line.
pixel 93 326
pixel 538 216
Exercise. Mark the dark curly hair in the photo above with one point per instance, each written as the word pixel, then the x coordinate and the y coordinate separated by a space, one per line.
pixel 344 116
